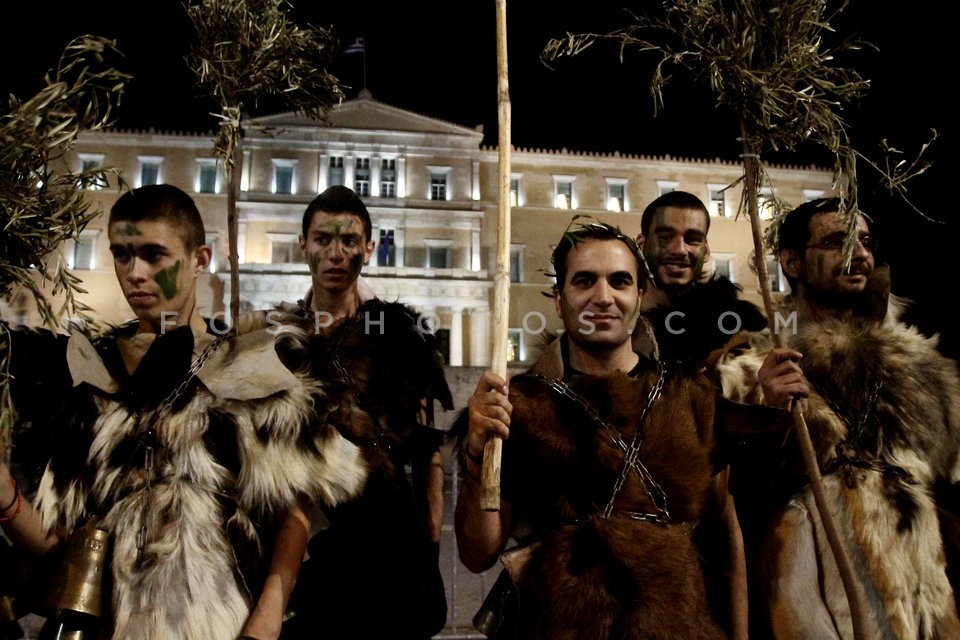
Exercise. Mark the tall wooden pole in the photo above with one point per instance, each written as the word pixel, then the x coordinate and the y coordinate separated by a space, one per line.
pixel 490 477
pixel 850 583
pixel 233 232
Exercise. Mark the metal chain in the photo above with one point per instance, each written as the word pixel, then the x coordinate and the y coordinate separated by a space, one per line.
pixel 147 437
pixel 855 431
pixel 632 461
pixel 654 491
pixel 849 454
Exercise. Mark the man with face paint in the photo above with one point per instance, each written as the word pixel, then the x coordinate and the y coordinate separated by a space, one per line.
pixel 609 473
pixel 373 568
pixel 882 406
pixel 194 450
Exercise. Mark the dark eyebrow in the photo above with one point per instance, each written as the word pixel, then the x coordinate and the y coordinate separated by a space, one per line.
pixel 143 247
pixel 583 273
pixel 664 228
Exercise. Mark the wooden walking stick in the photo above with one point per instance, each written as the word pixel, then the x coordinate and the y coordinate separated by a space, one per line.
pixel 490 476
pixel 851 584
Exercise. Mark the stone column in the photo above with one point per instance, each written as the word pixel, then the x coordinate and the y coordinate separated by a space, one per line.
pixel 480 338
pixel 456 337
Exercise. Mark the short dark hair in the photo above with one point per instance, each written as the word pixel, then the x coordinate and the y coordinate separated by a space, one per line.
pixel 594 231
pixel 678 199
pixel 162 203
pixel 793 232
pixel 338 199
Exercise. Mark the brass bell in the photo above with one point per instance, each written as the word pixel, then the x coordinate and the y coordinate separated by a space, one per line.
pixel 77 584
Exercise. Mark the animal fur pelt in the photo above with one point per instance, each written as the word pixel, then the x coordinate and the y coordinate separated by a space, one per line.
pixel 703 319
pixel 882 460
pixel 377 543
pixel 619 577
pixel 246 440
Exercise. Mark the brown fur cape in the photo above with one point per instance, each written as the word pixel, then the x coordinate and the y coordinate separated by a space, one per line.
pixel 590 577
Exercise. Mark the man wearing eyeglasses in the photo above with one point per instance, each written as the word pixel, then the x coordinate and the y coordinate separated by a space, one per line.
pixel 826 271
pixel 883 410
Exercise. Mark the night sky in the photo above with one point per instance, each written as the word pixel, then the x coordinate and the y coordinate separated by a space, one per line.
pixel 439 59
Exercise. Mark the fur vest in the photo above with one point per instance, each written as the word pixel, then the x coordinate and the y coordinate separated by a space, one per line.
pixel 884 419
pixel 620 576
pixel 244 441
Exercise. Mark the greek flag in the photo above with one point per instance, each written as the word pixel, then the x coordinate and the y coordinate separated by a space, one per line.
pixel 356 46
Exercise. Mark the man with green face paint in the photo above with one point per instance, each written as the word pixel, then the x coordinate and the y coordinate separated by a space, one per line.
pixel 195 450
pixel 882 407
pixel 373 569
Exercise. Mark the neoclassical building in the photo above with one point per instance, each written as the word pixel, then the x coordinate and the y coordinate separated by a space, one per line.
pixel 432 191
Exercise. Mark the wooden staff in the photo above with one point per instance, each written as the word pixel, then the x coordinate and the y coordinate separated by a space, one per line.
pixel 492 450
pixel 851 585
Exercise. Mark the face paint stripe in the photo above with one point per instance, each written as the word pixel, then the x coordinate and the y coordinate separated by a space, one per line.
pixel 167 280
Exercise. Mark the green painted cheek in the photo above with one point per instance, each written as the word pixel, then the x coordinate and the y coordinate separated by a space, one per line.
pixel 167 279
pixel 356 263
pixel 314 261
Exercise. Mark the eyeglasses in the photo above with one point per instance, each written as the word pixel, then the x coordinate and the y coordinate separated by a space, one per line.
pixel 835 241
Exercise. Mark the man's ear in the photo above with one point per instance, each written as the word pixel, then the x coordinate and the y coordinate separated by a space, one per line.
pixel 368 252
pixel 204 255
pixel 556 301
pixel 303 245
pixel 640 240
pixel 791 263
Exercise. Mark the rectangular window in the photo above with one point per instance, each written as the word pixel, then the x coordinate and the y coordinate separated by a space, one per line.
pixel 84 251
pixel 616 195
pixel 284 176
pixel 767 204
pixel 207 175
pixel 361 177
pixel 716 204
pixel 438 186
pixel 515 192
pixel 388 178
pixel 515 345
pixel 438 257
pixel 284 248
pixel 386 249
pixel 723 265
pixel 666 186
pixel 91 166
pixel 335 171
pixel 516 264
pixel 149 171
pixel 777 281
pixel 563 193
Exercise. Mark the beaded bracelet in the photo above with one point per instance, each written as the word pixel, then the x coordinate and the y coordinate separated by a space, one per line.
pixel 17 499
